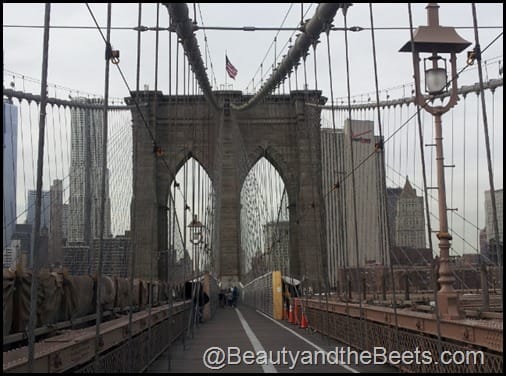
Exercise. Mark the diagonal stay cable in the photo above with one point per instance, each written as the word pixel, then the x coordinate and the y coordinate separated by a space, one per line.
pixel 134 99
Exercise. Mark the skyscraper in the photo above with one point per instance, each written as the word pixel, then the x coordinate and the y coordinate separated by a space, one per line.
pixel 11 254
pixel 65 222
pixel 10 139
pixel 410 219
pixel 493 246
pixel 55 248
pixel 338 195
pixel 392 198
pixel 86 175
pixel 489 215
pixel 23 233
pixel 332 172
pixel 45 209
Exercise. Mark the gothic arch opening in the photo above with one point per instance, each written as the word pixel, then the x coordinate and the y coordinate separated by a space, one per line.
pixel 264 220
pixel 191 227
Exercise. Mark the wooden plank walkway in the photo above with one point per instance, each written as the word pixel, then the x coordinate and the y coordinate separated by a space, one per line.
pixel 243 329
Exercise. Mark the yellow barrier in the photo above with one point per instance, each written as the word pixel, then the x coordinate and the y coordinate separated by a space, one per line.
pixel 277 296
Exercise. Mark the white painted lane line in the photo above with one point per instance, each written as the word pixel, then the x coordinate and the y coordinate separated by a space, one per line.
pixel 257 346
pixel 307 341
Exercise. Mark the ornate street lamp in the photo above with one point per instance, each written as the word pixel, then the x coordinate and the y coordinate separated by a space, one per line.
pixel 196 227
pixel 196 238
pixel 436 40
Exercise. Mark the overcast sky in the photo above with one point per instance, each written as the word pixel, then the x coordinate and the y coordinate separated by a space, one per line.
pixel 76 57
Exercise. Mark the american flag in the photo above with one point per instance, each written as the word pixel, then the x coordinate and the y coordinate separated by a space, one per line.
pixel 232 72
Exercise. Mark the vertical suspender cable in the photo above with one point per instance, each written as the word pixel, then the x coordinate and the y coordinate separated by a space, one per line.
pixel 352 163
pixel 171 227
pixel 155 251
pixel 315 68
pixel 426 196
pixel 487 145
pixel 301 14
pixel 172 252
pixel 464 126
pixel 138 47
pixel 296 81
pixel 337 185
pixel 102 193
pixel 193 278
pixel 134 245
pixel 171 257
pixel 194 246
pixel 379 148
pixel 305 72
pixel 32 323
pixel 275 45
pixel 382 190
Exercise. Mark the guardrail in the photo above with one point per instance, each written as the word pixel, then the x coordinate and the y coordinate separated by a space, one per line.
pixel 74 350
pixel 374 327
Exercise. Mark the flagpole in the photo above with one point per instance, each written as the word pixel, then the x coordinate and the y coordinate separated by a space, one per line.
pixel 225 69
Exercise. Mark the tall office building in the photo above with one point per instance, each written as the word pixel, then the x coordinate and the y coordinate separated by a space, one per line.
pixel 392 198
pixel 491 237
pixel 339 197
pixel 65 222
pixel 45 209
pixel 11 253
pixel 23 233
pixel 489 217
pixel 10 140
pixel 55 249
pixel 332 172
pixel 86 175
pixel 80 259
pixel 410 219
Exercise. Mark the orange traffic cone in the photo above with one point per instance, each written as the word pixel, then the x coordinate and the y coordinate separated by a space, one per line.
pixel 290 315
pixel 303 321
pixel 296 320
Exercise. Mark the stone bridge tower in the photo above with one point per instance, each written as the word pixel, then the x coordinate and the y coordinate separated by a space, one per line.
pixel 285 129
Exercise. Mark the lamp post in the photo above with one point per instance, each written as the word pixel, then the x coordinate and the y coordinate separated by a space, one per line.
pixel 196 230
pixel 436 40
pixel 196 236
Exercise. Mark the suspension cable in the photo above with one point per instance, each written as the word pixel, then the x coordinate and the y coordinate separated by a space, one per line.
pixel 312 29
pixel 184 29
pixel 425 189
pixel 354 199
pixel 336 146
pixel 103 193
pixel 207 52
pixel 32 323
pixel 487 146
pixel 380 149
pixel 269 49
pixel 153 252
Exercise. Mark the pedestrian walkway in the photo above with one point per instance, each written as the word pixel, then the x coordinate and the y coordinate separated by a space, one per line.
pixel 253 342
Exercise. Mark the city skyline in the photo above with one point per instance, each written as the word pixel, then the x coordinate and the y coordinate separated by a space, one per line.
pixel 397 168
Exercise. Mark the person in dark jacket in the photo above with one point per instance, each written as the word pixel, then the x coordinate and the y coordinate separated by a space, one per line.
pixel 235 296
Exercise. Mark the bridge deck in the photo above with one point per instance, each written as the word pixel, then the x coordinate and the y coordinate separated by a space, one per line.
pixel 245 329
